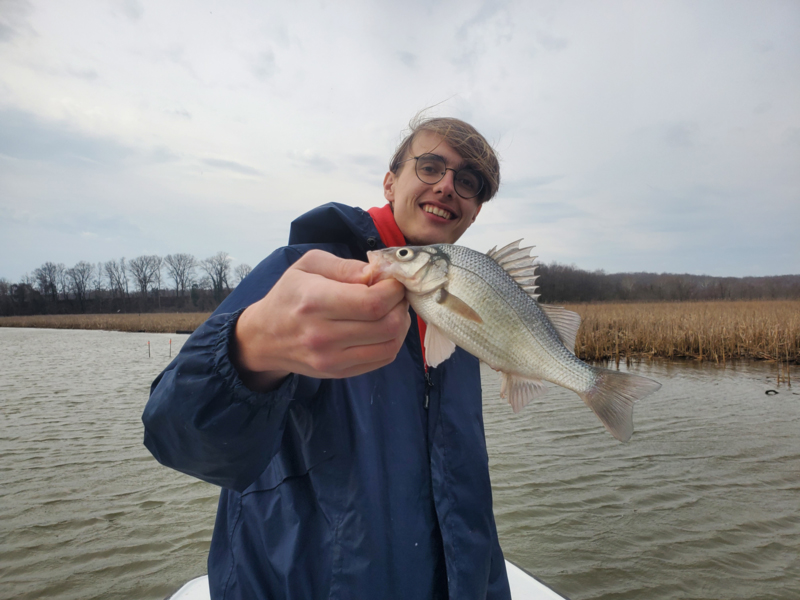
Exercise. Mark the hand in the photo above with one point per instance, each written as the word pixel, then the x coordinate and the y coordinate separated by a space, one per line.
pixel 321 319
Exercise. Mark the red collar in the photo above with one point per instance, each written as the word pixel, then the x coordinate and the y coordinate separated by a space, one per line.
pixel 390 233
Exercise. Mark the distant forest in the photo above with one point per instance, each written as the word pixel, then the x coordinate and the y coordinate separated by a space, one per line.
pixel 148 283
pixel 181 283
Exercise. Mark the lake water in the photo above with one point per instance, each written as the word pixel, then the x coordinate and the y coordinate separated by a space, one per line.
pixel 704 502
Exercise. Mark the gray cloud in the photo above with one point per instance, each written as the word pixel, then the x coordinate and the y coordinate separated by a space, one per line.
pixel 28 138
pixel 72 222
pixel 408 59
pixel 234 167
pixel 13 18
pixel 516 188
pixel 681 135
pixel 312 160
pixel 264 67
pixel 133 9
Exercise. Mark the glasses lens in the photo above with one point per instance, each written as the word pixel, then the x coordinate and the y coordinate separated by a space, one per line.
pixel 468 183
pixel 430 168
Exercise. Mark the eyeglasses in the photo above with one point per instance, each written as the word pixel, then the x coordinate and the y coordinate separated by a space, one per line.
pixel 431 169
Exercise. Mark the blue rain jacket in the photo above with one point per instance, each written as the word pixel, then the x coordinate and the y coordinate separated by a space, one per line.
pixel 338 488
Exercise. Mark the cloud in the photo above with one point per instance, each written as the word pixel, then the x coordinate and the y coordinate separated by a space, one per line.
pixel 13 18
pixel 408 59
pixel 681 134
pixel 234 167
pixel 516 188
pixel 312 160
pixel 264 67
pixel 133 9
pixel 27 137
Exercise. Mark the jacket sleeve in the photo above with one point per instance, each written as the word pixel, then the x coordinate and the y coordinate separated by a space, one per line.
pixel 201 419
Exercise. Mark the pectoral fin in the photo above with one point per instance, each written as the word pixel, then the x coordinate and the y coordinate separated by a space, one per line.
pixel 457 305
pixel 438 347
pixel 519 390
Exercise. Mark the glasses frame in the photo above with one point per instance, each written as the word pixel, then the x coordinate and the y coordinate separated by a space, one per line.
pixel 446 169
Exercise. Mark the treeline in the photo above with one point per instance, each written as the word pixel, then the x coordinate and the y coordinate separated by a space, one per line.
pixel 176 282
pixel 563 283
pixel 179 282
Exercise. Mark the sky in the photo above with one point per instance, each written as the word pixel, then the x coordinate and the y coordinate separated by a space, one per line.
pixel 659 136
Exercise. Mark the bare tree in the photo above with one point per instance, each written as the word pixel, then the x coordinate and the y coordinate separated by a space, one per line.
pixel 97 279
pixel 180 268
pixel 157 262
pixel 117 277
pixel 218 268
pixel 143 268
pixel 80 277
pixel 47 279
pixel 240 272
pixel 62 279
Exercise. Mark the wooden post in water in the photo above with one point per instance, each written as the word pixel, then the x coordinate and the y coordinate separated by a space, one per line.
pixel 148 348
pixel 170 347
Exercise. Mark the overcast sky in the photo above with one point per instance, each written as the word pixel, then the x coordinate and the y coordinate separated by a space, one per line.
pixel 633 136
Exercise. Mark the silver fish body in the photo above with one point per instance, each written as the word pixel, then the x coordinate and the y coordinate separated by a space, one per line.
pixel 485 304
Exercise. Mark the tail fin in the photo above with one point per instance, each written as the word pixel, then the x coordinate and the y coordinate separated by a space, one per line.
pixel 612 397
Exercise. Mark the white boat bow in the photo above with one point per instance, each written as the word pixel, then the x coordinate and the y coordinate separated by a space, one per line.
pixel 524 586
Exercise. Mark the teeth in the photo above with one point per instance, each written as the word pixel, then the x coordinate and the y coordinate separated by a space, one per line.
pixel 437 211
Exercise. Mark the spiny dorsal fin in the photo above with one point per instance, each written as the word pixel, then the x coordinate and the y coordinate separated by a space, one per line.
pixel 518 263
pixel 565 322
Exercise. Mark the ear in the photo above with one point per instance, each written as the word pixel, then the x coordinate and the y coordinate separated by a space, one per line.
pixel 388 186
pixel 477 212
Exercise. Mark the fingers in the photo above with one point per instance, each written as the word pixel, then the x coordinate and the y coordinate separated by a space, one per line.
pixel 334 268
pixel 322 319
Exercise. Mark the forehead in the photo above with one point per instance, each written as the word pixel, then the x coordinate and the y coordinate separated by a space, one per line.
pixel 430 142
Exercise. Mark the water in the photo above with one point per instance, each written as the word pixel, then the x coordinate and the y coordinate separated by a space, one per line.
pixel 702 503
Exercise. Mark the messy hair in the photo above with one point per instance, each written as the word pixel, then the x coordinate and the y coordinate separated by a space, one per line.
pixel 464 139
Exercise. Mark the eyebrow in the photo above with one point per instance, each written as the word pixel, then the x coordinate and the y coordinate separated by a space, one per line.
pixel 463 164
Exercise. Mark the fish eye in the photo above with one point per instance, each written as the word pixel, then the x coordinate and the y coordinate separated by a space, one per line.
pixel 404 254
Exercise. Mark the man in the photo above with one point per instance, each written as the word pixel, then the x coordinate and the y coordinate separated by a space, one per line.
pixel 348 468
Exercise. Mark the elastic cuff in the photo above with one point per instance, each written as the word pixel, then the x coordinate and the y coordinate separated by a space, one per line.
pixel 224 368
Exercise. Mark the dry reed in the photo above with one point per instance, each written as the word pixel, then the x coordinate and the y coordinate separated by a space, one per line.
pixel 149 322
pixel 705 331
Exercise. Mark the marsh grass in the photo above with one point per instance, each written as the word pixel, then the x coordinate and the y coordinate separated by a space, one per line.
pixel 149 322
pixel 704 331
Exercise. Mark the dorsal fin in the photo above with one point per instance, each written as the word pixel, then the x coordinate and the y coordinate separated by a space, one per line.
pixel 518 263
pixel 565 322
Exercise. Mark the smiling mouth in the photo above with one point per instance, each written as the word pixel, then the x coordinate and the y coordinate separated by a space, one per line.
pixel 439 212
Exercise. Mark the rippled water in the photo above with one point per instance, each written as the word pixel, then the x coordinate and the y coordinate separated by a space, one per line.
pixel 704 502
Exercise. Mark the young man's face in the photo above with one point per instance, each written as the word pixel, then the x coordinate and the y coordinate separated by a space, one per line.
pixel 425 213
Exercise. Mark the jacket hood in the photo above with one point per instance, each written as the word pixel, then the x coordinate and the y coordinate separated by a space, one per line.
pixel 335 223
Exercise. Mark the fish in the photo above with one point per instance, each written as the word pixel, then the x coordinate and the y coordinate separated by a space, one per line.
pixel 487 304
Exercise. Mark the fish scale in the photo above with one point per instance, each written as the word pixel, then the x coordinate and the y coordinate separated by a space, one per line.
pixel 469 299
pixel 510 355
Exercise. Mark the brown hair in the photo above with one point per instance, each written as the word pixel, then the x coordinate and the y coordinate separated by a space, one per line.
pixel 464 139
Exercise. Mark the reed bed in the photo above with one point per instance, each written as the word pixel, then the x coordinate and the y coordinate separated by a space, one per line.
pixel 149 322
pixel 704 331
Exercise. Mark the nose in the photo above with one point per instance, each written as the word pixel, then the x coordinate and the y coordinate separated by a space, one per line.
pixel 447 183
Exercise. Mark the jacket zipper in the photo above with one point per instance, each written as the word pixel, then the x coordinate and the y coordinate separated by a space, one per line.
pixel 428 386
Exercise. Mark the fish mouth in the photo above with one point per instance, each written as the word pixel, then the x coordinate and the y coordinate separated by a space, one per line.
pixel 379 267
pixel 438 211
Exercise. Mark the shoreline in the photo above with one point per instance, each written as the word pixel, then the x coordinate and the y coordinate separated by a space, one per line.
pixel 125 322
pixel 718 331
